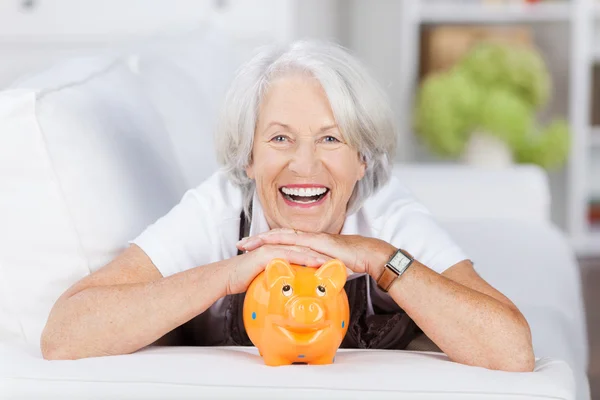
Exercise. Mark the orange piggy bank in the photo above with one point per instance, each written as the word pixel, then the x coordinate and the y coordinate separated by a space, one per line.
pixel 296 314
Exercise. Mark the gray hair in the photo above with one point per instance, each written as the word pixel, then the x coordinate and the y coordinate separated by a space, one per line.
pixel 359 106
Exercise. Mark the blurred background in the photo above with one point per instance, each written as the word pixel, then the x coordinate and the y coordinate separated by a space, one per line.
pixel 484 82
pixel 547 55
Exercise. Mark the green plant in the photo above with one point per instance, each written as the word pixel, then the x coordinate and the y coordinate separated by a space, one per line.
pixel 497 89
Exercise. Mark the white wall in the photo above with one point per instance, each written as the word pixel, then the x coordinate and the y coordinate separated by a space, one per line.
pixel 372 31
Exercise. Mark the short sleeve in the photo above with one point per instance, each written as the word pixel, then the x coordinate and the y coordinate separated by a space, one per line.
pixel 188 235
pixel 407 224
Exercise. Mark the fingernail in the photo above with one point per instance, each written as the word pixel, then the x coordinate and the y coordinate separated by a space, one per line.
pixel 321 260
pixel 243 241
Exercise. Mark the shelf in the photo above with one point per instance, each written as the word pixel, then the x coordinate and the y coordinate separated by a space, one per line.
pixel 445 12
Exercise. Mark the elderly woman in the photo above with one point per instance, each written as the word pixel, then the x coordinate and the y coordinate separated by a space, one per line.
pixel 306 141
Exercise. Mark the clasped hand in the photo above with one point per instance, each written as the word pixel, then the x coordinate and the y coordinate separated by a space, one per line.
pixel 357 252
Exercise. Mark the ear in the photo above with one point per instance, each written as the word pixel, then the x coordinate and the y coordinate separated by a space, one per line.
pixel 335 272
pixel 362 168
pixel 278 269
pixel 250 171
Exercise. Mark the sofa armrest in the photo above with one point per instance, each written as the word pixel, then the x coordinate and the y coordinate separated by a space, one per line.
pixel 462 192
pixel 238 372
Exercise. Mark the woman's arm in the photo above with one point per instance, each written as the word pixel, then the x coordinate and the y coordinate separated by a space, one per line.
pixel 128 305
pixel 464 316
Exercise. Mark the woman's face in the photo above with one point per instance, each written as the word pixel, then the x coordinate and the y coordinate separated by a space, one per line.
pixel 304 170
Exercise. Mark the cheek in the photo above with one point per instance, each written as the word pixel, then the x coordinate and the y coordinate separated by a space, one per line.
pixel 267 166
pixel 345 169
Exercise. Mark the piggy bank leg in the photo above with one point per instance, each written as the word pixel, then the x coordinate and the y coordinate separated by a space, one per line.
pixel 275 360
pixel 324 359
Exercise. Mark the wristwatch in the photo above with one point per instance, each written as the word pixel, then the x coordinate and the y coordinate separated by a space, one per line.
pixel 394 268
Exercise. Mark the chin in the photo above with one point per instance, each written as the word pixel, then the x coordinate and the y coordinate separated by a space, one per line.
pixel 306 225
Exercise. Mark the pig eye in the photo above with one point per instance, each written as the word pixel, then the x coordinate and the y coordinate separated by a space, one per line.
pixel 321 290
pixel 287 290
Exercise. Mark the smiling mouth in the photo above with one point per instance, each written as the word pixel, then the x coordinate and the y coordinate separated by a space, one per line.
pixel 304 195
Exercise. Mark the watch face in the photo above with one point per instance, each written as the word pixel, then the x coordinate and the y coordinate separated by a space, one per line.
pixel 399 261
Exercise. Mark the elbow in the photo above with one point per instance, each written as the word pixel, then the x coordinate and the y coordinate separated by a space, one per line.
pixel 520 356
pixel 54 351
pixel 52 354
pixel 524 357
pixel 527 365
pixel 50 351
pixel 53 348
pixel 523 361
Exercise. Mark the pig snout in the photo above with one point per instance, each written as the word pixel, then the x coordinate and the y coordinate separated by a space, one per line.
pixel 306 311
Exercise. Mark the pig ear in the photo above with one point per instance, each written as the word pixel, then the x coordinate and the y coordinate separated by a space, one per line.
pixel 335 272
pixel 278 269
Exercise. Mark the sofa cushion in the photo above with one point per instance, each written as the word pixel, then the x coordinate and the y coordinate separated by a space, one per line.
pixel 238 372
pixel 85 165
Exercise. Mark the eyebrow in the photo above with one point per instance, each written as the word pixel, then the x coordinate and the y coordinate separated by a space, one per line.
pixel 285 126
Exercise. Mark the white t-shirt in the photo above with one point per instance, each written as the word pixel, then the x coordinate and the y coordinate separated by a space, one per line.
pixel 204 227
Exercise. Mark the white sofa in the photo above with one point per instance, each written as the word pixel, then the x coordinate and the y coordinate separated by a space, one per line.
pixel 93 150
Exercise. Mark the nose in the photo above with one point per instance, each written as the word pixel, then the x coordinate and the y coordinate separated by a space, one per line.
pixel 305 160
pixel 307 311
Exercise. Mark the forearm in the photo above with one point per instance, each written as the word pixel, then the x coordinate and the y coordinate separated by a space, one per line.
pixel 470 327
pixel 120 319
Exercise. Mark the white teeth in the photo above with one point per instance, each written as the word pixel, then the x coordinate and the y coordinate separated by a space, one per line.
pixel 304 192
pixel 304 202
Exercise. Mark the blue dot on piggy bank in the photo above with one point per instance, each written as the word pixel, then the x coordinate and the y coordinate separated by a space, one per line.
pixel 253 315
pixel 343 324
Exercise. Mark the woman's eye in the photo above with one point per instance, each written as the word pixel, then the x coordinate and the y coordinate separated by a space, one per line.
pixel 330 139
pixel 279 139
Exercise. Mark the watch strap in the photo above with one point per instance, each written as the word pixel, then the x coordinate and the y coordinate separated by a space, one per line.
pixel 392 272
pixel 386 279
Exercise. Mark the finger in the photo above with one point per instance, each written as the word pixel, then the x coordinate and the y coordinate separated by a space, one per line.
pixel 300 255
pixel 321 243
pixel 307 251
pixel 252 242
pixel 298 249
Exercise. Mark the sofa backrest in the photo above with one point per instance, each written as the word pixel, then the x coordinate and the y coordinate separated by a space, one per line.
pixel 85 165
pixel 461 192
